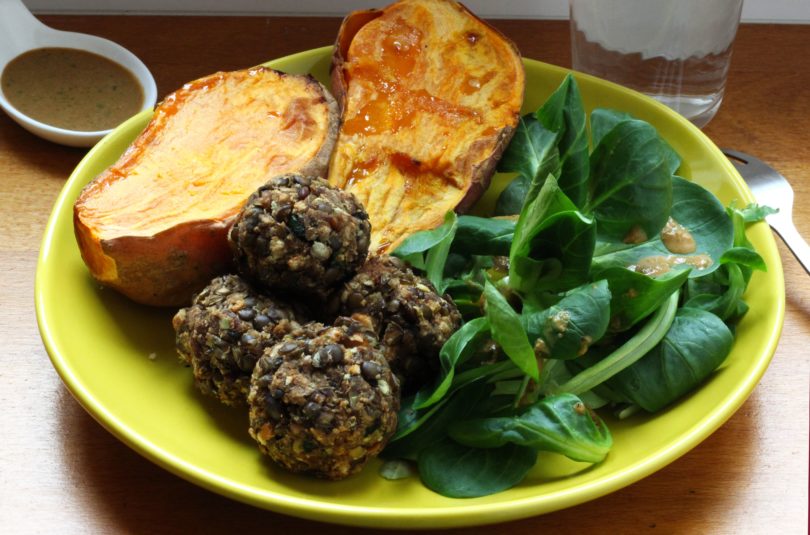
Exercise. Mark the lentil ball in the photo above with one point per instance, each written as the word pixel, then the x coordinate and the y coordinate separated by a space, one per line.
pixel 224 332
pixel 411 319
pixel 300 235
pixel 323 401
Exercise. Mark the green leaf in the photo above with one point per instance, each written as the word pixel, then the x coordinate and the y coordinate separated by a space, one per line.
pixel 754 212
pixel 531 151
pixel 628 353
pixel 422 241
pixel 513 196
pixel 553 244
pixel 561 424
pixel 695 345
pixel 559 255
pixel 437 255
pixel 533 154
pixel 436 243
pixel 631 186
pixel 564 114
pixel 568 328
pixel 553 141
pixel 603 121
pixel 466 294
pixel 699 211
pixel 457 471
pixel 550 201
pixel 419 429
pixel 483 236
pixel 635 295
pixel 508 332
pixel 455 351
pixel 744 256
pixel 721 293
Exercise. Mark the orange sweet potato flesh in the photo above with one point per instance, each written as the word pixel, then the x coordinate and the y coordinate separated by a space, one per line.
pixel 430 97
pixel 154 225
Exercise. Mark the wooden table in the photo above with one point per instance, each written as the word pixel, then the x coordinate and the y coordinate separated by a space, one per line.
pixel 61 472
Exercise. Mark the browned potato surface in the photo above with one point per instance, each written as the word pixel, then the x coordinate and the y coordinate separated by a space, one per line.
pixel 430 96
pixel 154 225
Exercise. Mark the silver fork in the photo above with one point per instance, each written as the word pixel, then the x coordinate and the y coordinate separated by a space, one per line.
pixel 772 189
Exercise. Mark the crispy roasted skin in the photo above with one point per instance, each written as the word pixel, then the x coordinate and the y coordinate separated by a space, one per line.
pixel 154 225
pixel 430 97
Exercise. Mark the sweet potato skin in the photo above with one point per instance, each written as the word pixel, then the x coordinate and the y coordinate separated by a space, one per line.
pixel 165 269
pixel 154 225
pixel 430 96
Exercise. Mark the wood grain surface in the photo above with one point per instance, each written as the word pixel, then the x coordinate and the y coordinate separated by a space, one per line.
pixel 61 472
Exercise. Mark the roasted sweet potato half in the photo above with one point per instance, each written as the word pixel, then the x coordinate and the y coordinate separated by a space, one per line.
pixel 154 225
pixel 430 96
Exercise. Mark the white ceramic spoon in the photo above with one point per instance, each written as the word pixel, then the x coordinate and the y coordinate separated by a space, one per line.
pixel 20 32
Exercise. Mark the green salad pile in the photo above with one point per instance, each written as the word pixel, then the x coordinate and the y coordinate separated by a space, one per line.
pixel 602 281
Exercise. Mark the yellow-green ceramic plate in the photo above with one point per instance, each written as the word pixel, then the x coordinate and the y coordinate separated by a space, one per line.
pixel 118 360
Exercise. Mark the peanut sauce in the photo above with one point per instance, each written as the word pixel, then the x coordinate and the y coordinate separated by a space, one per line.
pixel 677 239
pixel 71 89
pixel 658 265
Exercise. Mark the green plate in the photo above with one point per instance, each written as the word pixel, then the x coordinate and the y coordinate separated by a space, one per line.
pixel 118 360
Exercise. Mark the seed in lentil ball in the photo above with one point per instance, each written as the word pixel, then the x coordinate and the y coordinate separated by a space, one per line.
pixel 273 409
pixel 287 347
pixel 335 353
pixel 261 321
pixel 247 314
pixel 370 370
pixel 311 409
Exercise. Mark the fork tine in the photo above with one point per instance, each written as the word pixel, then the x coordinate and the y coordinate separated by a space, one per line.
pixel 737 164
pixel 771 187
pixel 737 155
pixel 755 169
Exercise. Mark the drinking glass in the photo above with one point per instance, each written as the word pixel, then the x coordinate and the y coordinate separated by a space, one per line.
pixel 677 51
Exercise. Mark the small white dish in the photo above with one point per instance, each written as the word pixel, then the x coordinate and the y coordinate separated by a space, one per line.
pixel 20 32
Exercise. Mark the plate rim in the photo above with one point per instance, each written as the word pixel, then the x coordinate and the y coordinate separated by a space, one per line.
pixel 467 513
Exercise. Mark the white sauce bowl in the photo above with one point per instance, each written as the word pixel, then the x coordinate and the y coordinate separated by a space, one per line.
pixel 20 32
